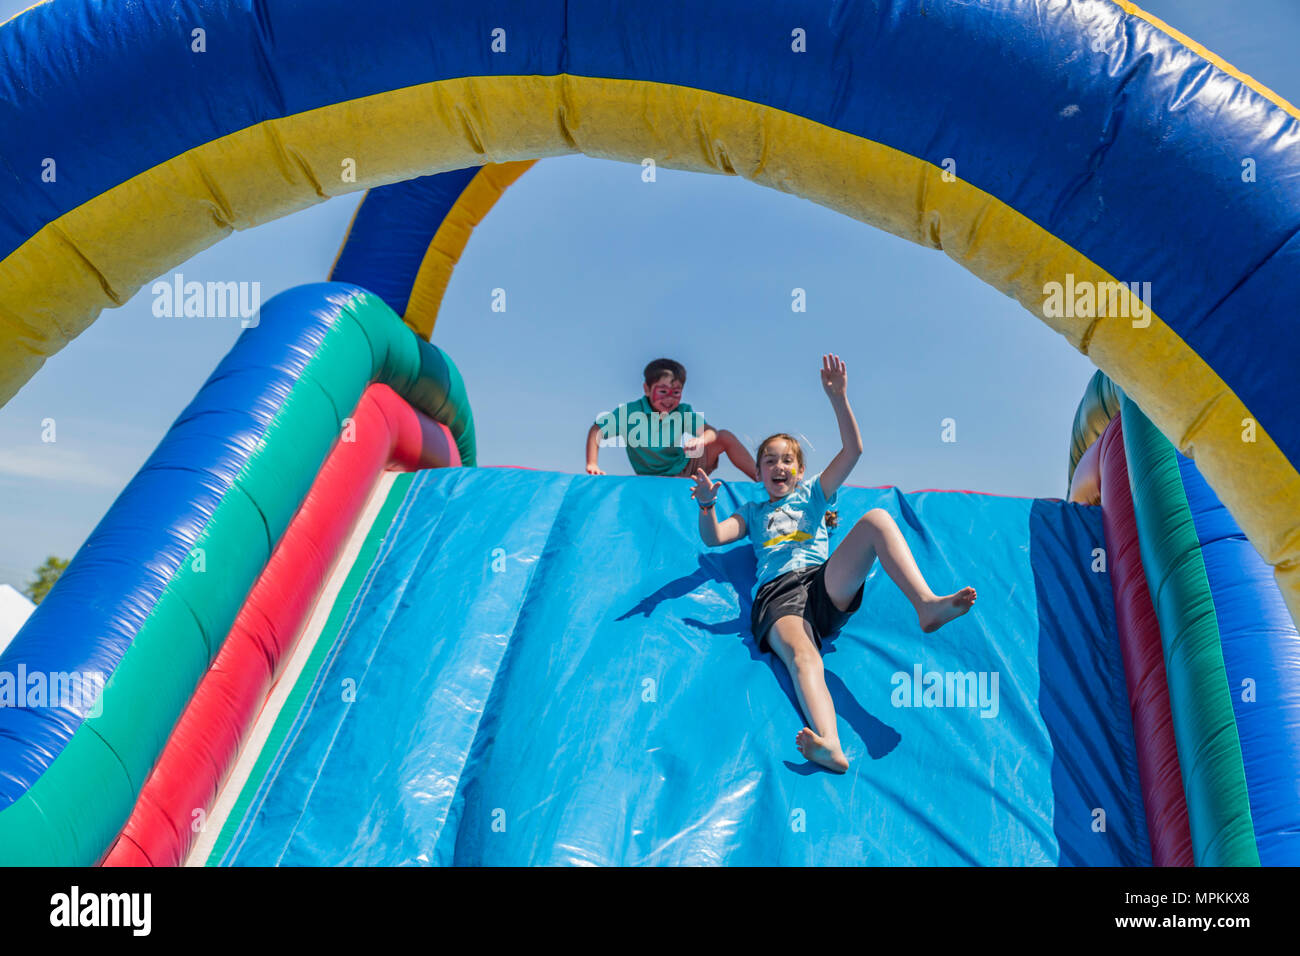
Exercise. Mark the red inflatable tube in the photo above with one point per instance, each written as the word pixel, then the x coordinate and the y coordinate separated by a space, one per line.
pixel 1144 661
pixel 385 433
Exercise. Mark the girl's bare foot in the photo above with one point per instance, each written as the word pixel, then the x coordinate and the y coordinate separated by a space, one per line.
pixel 935 614
pixel 815 749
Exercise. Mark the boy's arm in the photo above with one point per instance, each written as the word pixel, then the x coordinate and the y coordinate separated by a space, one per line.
pixel 835 381
pixel 706 434
pixel 593 450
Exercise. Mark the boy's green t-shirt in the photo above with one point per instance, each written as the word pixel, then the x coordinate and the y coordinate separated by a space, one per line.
pixel 653 439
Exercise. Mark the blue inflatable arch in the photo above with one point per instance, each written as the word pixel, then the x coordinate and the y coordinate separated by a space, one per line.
pixel 1041 145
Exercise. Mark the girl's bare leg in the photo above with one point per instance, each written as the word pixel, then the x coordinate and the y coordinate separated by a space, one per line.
pixel 876 535
pixel 791 640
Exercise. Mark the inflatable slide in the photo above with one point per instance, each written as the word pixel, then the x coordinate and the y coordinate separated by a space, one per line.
pixel 313 630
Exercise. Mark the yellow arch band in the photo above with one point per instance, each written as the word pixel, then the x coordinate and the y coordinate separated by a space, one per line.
pixel 449 241
pixel 98 255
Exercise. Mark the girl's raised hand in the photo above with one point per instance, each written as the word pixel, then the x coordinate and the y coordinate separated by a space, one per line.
pixel 705 491
pixel 835 376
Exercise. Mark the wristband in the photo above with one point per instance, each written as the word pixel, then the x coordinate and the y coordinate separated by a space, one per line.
pixel 706 507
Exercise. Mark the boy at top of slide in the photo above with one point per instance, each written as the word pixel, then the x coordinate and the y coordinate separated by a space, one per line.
pixel 664 435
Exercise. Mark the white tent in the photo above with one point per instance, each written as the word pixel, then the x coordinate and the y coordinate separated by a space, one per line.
pixel 14 611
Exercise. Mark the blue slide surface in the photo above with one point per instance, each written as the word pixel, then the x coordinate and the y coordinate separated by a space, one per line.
pixel 552 669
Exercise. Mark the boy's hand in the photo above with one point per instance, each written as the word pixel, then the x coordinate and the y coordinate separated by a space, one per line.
pixel 705 491
pixel 835 376
pixel 696 445
pixel 593 470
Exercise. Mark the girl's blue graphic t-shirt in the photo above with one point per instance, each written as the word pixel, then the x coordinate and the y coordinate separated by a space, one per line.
pixel 788 533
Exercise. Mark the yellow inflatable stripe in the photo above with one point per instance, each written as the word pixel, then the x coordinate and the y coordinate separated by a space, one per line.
pixel 24 10
pixel 1201 51
pixel 449 241
pixel 95 256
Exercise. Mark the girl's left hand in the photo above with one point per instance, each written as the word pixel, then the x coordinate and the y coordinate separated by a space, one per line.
pixel 835 376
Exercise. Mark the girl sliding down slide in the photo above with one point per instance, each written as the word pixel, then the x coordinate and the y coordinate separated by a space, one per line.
pixel 801 595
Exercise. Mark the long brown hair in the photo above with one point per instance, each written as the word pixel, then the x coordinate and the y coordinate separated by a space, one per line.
pixel 832 518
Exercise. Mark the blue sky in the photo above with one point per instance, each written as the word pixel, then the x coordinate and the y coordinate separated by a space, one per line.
pixel 604 272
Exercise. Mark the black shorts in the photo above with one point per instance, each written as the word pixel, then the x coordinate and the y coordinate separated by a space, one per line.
pixel 801 592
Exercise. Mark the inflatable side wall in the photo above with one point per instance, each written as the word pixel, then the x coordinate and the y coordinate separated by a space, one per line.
pixel 148 600
pixel 1212 657
pixel 1144 664
pixel 384 433
pixel 1232 656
